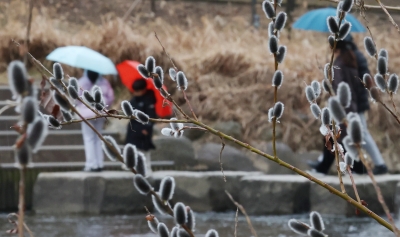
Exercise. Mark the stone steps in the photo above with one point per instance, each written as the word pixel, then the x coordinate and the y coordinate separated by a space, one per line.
pixel 205 191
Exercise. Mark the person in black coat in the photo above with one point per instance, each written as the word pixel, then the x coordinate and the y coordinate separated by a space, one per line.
pixel 352 66
pixel 139 134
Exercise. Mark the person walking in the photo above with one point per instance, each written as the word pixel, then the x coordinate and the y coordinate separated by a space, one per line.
pixel 351 66
pixel 139 134
pixel 93 148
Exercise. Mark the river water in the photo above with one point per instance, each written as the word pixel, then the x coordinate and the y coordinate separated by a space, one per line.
pixel 136 225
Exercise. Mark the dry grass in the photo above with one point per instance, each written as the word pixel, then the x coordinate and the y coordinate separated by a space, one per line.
pixel 226 62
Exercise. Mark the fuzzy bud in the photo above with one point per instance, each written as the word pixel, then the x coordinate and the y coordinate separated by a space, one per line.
pixel 141 117
pixel 380 82
pixel 368 82
pixel 375 95
pixel 280 21
pixel 57 83
pixel 316 87
pixel 63 103
pixel 212 233
pixel 347 5
pixel 150 64
pixel 73 93
pixel 163 230
pixel 110 153
pixel 310 94
pixel 278 110
pixel 141 184
pixel 143 71
pixel 172 74
pixel 29 109
pixel 167 188
pixel 370 46
pixel 273 44
pixel 382 65
pixel 344 30
pixel 99 106
pixel 159 206
pixel 182 81
pixel 140 166
pixel 336 109
pixel 153 224
pixel 37 132
pixel 268 9
pixel 331 41
pixel 130 155
pixel 53 122
pixel 393 83
pixel 326 116
pixel 344 94
pixel 332 25
pixel 355 130
pixel 316 221
pixel 326 85
pixel 157 82
pixel 329 73
pixel 348 160
pixel 277 79
pixel 350 148
pixel 281 54
pixel 270 114
pixel 98 96
pixel 66 115
pixel 88 97
pixel 174 232
pixel 180 213
pixel 159 71
pixel 17 77
pixel 58 71
pixel 167 132
pixel 315 233
pixel 384 53
pixel 191 220
pixel 74 83
pixel 127 108
pixel 298 227
pixel 23 154
pixel 271 29
pixel 315 110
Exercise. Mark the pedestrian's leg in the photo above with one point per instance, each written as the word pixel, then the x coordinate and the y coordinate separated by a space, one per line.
pixel 99 158
pixel 89 143
pixel 370 145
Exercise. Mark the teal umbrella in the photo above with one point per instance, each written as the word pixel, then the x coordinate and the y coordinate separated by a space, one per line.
pixel 315 20
pixel 83 57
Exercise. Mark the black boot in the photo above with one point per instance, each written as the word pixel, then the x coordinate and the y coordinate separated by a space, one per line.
pixel 380 169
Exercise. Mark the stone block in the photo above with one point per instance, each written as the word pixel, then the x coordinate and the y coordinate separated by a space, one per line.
pixel 274 194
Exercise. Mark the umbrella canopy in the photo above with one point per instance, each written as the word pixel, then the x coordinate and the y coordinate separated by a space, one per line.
pixel 315 20
pixel 83 57
pixel 129 74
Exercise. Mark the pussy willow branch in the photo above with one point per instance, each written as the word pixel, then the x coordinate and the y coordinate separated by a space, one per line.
pixel 390 111
pixel 114 150
pixel 388 14
pixel 275 90
pixel 239 206
pixel 378 191
pixel 276 160
pixel 333 122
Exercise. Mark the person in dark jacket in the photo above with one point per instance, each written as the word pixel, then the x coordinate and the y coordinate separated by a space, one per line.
pixel 139 134
pixel 351 66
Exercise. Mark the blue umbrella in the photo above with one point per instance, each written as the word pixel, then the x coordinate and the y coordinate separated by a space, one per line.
pixel 83 57
pixel 315 20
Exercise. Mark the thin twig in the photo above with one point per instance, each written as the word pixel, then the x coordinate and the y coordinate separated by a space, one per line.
pixel 275 91
pixel 253 231
pixel 388 14
pixel 190 106
pixel 220 157
pixel 129 11
pixel 21 203
pixel 165 51
pixel 378 191
pixel 28 30
pixel 366 6
pixel 236 221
